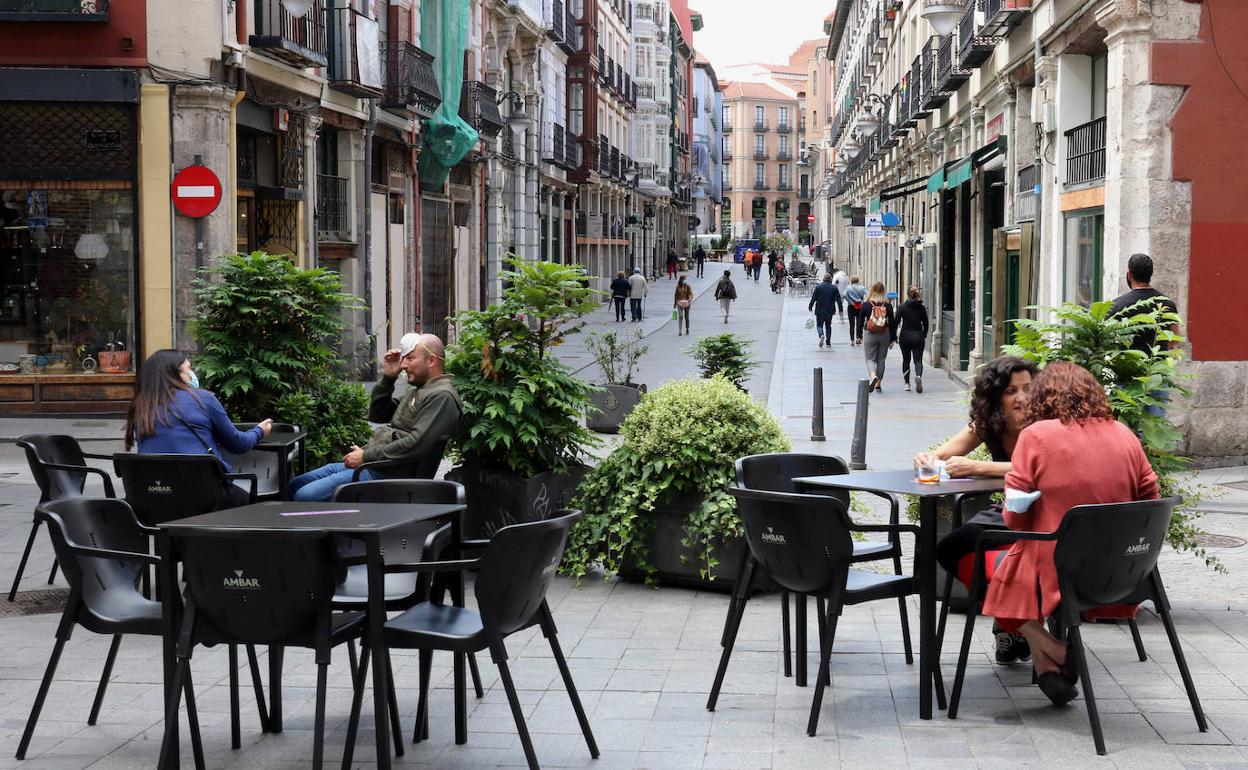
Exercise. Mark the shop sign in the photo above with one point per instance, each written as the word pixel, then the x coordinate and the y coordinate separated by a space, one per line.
pixel 196 191
pixel 875 227
pixel 36 210
pixel 992 130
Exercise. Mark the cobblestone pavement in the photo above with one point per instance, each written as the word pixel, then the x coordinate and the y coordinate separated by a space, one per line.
pixel 644 659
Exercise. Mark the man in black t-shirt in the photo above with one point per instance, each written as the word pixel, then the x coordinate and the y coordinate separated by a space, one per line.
pixel 1139 274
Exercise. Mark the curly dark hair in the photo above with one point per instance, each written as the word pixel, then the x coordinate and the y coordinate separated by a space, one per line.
pixel 1066 391
pixel 987 419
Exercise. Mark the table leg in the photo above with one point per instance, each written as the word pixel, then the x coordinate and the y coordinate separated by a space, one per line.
pixel 799 636
pixel 277 656
pixel 381 668
pixel 927 602
pixel 166 574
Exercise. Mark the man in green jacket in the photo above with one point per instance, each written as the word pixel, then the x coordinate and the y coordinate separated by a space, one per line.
pixel 429 411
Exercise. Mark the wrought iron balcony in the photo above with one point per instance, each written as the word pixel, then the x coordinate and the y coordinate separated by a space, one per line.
pixel 784 187
pixel 783 128
pixel 727 127
pixel 761 155
pixel 478 106
pixel 296 41
pixel 555 27
pixel 1085 152
pixel 918 92
pixel 354 54
pixel 571 32
pixel 1002 16
pixel 333 214
pixel 948 77
pixel 973 48
pixel 784 155
pixel 54 10
pixel 761 126
pixel 411 85
pixel 553 153
pixel 761 184
pixel 933 97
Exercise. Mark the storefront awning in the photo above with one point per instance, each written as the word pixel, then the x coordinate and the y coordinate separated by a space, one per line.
pixel 958 173
pixel 902 190
pixel 873 205
pixel 989 151
pixel 936 181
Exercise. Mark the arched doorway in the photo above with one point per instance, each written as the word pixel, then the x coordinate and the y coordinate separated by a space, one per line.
pixel 759 217
pixel 783 220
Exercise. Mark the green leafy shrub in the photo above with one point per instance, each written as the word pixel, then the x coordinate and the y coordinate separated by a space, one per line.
pixel 266 330
pixel 522 407
pixel 1133 380
pixel 682 439
pixel 617 355
pixel 780 243
pixel 727 355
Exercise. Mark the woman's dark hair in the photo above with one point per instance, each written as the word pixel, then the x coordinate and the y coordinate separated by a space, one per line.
pixel 1066 391
pixel 159 380
pixel 987 419
pixel 914 294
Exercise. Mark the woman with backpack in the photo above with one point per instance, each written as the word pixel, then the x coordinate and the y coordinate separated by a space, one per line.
pixel 854 296
pixel 682 303
pixel 876 317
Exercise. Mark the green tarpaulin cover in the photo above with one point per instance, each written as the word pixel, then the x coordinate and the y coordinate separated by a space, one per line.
pixel 447 138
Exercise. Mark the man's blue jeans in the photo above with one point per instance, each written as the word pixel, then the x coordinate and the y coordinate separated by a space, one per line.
pixel 318 486
pixel 823 324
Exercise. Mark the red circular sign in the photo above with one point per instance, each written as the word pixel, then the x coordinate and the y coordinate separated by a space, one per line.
pixel 196 191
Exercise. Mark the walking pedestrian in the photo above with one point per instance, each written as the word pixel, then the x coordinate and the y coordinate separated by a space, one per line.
pixel 725 292
pixel 671 263
pixel 758 266
pixel 912 327
pixel 747 262
pixel 1139 277
pixel 854 296
pixel 841 281
pixel 772 258
pixel 619 292
pixel 699 257
pixel 881 333
pixel 823 301
pixel 683 302
pixel 637 289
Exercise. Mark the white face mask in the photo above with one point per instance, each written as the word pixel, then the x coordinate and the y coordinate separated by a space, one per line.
pixel 192 379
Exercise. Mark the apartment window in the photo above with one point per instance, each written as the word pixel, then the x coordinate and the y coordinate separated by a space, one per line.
pixel 784 175
pixel 1084 255
pixel 760 173
pixel 760 114
pixel 784 116
pixel 576 109
pixel 784 143
pixel 1100 68
pixel 760 144
pixel 727 116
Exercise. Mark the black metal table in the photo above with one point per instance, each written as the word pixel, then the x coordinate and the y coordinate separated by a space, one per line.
pixel 365 521
pixel 904 483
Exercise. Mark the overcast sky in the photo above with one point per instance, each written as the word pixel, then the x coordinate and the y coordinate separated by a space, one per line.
pixel 743 31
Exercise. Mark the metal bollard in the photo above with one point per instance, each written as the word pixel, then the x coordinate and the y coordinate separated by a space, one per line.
pixel 858 447
pixel 816 417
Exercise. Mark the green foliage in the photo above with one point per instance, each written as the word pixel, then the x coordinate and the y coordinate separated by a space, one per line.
pixel 683 439
pixel 522 407
pixel 1133 380
pixel 780 243
pixel 617 355
pixel 727 355
pixel 266 331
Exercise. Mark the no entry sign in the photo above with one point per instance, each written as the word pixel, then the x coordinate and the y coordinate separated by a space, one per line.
pixel 196 191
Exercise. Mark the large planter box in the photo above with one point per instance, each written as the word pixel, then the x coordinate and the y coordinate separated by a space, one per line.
pixel 664 543
pixel 498 498
pixel 612 404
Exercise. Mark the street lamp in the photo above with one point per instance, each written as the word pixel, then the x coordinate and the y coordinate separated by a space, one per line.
pixel 516 117
pixel 872 114
pixel 297 8
pixel 943 15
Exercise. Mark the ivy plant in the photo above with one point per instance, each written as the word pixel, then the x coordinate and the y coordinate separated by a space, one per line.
pixel 681 440
pixel 1134 381
pixel 522 407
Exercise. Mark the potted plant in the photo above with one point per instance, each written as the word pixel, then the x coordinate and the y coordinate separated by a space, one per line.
pixel 657 508
pixel 617 356
pixel 726 355
pixel 520 448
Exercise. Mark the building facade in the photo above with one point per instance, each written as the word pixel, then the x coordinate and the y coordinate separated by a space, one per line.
pixel 708 142
pixel 1028 151
pixel 760 149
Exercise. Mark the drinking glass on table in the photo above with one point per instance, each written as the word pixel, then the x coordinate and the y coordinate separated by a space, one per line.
pixel 927 468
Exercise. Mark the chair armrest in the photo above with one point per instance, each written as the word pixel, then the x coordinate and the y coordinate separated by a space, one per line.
pixel 108 480
pixel 95 456
pixel 108 553
pixel 255 481
pixel 453 565
pixel 377 464
pixel 894 507
pixel 437 543
pixel 473 544
pixel 911 528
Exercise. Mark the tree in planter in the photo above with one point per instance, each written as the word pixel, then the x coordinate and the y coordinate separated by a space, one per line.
pixel 727 355
pixel 616 355
pixel 522 407
pixel 683 439
pixel 780 243
pixel 266 330
pixel 1134 381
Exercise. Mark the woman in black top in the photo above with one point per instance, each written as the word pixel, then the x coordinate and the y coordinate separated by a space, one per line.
pixel 912 336
pixel 619 293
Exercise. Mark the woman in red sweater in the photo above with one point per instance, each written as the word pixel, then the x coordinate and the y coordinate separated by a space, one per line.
pixel 1073 453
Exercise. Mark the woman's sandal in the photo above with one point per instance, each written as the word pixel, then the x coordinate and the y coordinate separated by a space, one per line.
pixel 1054 685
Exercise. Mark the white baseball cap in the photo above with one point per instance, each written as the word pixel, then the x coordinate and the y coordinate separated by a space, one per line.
pixel 408 343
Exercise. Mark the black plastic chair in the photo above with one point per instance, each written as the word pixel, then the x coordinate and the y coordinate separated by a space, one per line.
pixel 804 543
pixel 1105 554
pixel 265 464
pixel 516 570
pixel 102 550
pixel 164 487
pixel 401 546
pixel 423 467
pixel 60 469
pixel 775 473
pixel 260 587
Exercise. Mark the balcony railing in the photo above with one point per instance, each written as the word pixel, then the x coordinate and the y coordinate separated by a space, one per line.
pixel 553 152
pixel 933 95
pixel 784 155
pixel 783 128
pixel 411 85
pixel 973 49
pixel 1026 199
pixel 761 155
pixel 478 106
pixel 333 215
pixel 727 127
pixel 784 187
pixel 918 92
pixel 54 10
pixel 1001 16
pixel 761 184
pixel 1085 152
pixel 761 126
pixel 555 28
pixel 354 54
pixel 296 41
pixel 948 77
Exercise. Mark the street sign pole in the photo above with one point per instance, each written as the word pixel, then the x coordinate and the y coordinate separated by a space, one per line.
pixel 199 229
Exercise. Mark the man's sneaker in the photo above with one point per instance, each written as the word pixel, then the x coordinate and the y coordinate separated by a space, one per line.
pixel 1011 647
pixel 918 383
pixel 821 342
pixel 907 387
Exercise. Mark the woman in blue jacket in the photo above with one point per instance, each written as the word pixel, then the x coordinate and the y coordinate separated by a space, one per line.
pixel 170 414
